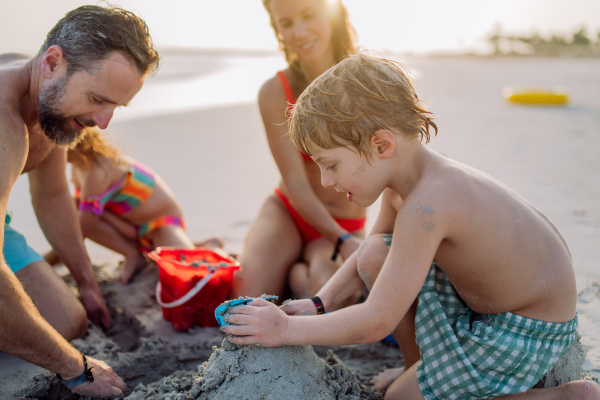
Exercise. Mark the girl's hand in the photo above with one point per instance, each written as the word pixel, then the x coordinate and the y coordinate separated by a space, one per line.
pixel 260 322
pixel 349 246
pixel 300 307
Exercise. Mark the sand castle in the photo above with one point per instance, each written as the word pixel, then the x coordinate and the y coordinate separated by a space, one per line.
pixel 251 372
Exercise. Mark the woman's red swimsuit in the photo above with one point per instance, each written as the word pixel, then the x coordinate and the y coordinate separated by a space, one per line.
pixel 307 232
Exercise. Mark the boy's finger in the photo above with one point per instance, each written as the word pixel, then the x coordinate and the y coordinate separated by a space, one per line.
pixel 260 303
pixel 238 319
pixel 242 310
pixel 239 330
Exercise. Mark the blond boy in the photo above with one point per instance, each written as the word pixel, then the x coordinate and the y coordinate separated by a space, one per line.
pixel 492 277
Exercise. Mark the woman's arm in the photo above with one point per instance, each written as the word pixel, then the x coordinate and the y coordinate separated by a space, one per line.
pixel 273 107
pixel 346 281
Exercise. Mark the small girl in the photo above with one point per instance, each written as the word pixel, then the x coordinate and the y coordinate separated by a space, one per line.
pixel 124 205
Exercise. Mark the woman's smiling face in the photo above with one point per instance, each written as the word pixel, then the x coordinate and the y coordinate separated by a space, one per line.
pixel 304 26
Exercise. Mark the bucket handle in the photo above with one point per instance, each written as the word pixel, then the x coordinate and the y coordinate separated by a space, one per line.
pixel 188 296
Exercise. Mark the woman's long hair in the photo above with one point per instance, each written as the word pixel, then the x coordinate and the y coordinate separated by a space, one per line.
pixel 343 39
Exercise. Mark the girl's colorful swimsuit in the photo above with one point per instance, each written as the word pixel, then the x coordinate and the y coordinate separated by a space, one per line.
pixel 307 232
pixel 129 192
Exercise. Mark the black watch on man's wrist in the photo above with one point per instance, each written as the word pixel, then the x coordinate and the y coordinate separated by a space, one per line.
pixel 83 378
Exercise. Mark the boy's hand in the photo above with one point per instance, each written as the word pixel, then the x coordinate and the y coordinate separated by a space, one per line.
pixel 349 246
pixel 260 322
pixel 300 307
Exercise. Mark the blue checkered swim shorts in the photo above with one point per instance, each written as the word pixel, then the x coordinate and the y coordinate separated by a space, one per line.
pixel 466 355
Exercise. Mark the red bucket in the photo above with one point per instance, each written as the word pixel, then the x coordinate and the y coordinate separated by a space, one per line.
pixel 192 283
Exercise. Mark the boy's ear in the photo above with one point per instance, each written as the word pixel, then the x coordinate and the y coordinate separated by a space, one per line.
pixel 383 143
pixel 52 61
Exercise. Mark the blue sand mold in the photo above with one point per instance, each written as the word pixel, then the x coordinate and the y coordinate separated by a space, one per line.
pixel 222 309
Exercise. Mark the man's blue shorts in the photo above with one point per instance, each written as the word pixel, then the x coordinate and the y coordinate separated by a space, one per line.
pixel 17 253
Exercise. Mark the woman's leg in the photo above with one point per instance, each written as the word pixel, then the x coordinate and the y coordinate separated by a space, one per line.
pixel 308 277
pixel 272 246
pixel 319 267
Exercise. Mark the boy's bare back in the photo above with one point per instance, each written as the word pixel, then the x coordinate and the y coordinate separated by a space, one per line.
pixel 500 253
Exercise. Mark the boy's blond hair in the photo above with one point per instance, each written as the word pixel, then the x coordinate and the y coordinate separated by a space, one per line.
pixel 360 95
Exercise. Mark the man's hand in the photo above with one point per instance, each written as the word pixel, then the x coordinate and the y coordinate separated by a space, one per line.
pixel 349 246
pixel 299 307
pixel 260 322
pixel 107 384
pixel 94 304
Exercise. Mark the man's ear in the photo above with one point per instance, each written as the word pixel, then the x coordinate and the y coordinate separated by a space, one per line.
pixel 383 143
pixel 53 61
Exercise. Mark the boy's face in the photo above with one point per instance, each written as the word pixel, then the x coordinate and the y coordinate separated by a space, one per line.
pixel 350 173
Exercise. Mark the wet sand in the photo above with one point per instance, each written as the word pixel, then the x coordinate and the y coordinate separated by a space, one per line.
pixel 217 162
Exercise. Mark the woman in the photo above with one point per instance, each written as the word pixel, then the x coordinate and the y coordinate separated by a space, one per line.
pixel 298 226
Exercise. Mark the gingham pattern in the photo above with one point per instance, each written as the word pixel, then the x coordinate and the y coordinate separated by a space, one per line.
pixel 466 355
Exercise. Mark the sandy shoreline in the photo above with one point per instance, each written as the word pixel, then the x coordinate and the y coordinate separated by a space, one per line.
pixel 218 164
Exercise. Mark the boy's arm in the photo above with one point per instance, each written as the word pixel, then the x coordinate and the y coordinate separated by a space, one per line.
pixel 56 214
pixel 416 239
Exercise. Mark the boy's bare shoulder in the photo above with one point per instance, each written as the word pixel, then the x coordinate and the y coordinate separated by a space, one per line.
pixel 438 200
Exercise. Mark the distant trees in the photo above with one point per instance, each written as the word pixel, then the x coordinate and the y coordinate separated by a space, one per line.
pixel 579 45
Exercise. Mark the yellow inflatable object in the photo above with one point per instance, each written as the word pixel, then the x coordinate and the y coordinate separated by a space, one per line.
pixel 536 96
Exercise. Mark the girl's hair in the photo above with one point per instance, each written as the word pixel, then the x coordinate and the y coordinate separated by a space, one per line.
pixel 93 144
pixel 343 39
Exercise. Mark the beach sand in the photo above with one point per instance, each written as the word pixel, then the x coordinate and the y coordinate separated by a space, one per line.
pixel 215 158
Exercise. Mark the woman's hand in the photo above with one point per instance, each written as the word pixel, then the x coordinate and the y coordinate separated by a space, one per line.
pixel 349 246
pixel 300 307
pixel 260 322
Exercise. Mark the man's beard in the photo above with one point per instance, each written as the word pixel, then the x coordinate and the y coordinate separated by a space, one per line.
pixel 54 124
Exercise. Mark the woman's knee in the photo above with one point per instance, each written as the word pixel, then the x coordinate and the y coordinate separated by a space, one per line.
pixel 371 256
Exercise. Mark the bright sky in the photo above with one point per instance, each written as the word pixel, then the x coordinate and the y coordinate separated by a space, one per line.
pixel 419 25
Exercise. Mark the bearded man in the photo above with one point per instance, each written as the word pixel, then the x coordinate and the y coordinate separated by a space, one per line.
pixel 94 60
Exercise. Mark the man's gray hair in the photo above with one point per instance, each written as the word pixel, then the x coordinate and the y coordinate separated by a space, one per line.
pixel 90 34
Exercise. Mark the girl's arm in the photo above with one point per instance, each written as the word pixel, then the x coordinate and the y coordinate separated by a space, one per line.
pixel 273 109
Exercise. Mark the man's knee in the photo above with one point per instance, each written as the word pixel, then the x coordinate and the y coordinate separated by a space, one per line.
pixel 370 257
pixel 79 323
pixel 54 300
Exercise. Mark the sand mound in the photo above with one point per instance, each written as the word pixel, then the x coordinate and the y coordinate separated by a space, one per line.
pixel 250 372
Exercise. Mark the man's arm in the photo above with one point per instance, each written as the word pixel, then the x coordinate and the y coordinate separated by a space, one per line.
pixel 58 219
pixel 23 331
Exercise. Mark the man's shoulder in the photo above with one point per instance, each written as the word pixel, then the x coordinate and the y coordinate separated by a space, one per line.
pixel 10 58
